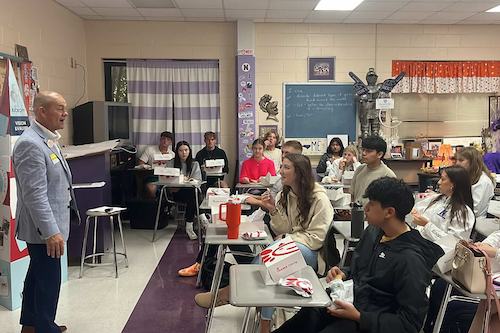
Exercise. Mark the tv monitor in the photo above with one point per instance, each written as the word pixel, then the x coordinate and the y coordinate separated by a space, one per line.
pixel 98 121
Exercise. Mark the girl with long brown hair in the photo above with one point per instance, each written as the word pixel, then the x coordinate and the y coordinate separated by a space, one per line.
pixel 450 212
pixel 483 183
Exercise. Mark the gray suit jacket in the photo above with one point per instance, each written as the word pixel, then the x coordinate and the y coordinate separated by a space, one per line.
pixel 44 191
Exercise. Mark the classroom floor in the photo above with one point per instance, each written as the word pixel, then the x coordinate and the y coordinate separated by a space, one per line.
pixel 147 296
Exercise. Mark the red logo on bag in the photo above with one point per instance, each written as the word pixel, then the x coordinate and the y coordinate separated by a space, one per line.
pixel 283 249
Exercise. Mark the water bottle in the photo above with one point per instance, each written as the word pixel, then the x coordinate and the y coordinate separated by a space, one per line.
pixel 357 219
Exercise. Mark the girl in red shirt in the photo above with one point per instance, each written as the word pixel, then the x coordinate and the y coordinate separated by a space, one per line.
pixel 256 166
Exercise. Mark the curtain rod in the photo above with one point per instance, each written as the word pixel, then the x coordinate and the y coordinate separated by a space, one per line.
pixel 125 60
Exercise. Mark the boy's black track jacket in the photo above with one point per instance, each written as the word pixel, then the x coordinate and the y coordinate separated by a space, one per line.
pixel 390 280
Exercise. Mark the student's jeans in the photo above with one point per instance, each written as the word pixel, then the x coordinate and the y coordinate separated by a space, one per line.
pixel 311 258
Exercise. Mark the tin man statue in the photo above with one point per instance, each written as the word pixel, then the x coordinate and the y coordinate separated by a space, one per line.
pixel 366 97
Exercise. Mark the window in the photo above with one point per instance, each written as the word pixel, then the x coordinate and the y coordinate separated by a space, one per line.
pixel 115 81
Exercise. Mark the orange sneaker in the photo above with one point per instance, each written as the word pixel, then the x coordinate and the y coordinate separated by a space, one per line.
pixel 192 270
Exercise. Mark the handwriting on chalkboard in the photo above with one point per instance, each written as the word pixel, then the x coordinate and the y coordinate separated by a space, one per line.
pixel 308 103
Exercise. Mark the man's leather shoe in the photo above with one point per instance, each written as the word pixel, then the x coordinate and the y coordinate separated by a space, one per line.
pixel 31 329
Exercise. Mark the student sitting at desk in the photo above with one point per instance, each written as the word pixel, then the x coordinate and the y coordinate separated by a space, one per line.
pixel 374 149
pixel 391 269
pixel 148 158
pixel 256 166
pixel 302 211
pixel 450 212
pixel 271 139
pixel 191 170
pixel 212 152
pixel 491 246
pixel 483 183
pixel 334 151
pixel 347 163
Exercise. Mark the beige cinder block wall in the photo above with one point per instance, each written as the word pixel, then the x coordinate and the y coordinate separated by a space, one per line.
pixel 52 35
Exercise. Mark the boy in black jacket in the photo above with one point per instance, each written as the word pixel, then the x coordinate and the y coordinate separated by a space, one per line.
pixel 391 268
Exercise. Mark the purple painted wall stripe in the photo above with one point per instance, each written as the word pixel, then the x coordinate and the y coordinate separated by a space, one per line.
pixel 144 112
pixel 162 87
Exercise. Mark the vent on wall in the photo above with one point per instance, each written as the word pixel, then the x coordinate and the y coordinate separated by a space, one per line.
pixel 153 3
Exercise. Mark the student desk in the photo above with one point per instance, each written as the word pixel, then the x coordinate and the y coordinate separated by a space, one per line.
pixel 247 289
pixel 253 186
pixel 344 229
pixel 217 235
pixel 195 186
pixel 467 297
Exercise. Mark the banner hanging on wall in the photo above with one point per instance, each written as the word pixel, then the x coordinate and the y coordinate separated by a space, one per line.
pixel 246 106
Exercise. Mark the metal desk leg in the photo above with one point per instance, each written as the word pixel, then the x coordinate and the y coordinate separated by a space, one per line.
pixel 256 320
pixel 221 253
pixel 344 254
pixel 197 203
pixel 158 211
pixel 198 279
pixel 246 319
pixel 442 310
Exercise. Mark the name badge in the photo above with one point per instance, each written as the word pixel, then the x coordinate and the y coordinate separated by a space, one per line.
pixel 54 159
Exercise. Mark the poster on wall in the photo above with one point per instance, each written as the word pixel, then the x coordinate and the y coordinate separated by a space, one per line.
pixel 314 146
pixel 246 106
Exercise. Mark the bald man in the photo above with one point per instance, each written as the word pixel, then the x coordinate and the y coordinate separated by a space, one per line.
pixel 44 200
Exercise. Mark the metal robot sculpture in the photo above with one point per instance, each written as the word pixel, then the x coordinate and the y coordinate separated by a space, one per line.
pixel 366 97
pixel 271 108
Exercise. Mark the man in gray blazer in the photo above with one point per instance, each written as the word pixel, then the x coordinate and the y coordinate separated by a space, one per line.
pixel 45 198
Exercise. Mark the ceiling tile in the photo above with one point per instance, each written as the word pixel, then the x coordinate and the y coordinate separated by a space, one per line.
pixel 360 21
pixel 124 18
pixel 250 13
pixel 434 0
pixel 92 17
pixel 469 7
pixel 369 15
pixel 281 14
pixel 108 3
pixel 286 20
pixel 243 4
pixel 168 19
pixel 389 0
pixel 410 15
pixel 205 19
pixel 328 14
pixel 199 4
pixel 71 3
pixel 156 12
pixel 485 16
pixel 315 20
pixel 451 16
pixel 153 3
pixel 292 5
pixel 82 11
pixel 381 6
pixel 203 13
pixel 388 21
pixel 117 11
pixel 490 1
pixel 425 6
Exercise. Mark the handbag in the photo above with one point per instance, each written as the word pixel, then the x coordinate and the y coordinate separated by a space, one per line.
pixel 471 268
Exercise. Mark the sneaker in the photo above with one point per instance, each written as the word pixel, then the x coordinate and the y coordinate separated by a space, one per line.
pixel 192 270
pixel 203 300
pixel 190 232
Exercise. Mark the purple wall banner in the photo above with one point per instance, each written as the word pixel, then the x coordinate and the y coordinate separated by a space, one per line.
pixel 245 97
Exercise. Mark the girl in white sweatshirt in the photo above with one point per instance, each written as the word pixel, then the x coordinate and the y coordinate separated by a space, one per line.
pixel 349 162
pixel 450 212
pixel 483 183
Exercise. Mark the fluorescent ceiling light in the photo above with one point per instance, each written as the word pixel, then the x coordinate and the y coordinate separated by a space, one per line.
pixel 494 10
pixel 338 4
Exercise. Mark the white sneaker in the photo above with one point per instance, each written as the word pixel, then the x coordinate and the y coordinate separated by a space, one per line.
pixel 190 232
pixel 204 221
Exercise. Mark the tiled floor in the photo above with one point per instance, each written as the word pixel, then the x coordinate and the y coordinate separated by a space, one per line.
pixel 100 303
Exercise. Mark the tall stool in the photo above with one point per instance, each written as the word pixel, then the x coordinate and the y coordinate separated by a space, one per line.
pixel 103 212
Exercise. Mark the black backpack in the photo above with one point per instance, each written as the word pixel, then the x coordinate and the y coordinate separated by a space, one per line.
pixel 207 273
